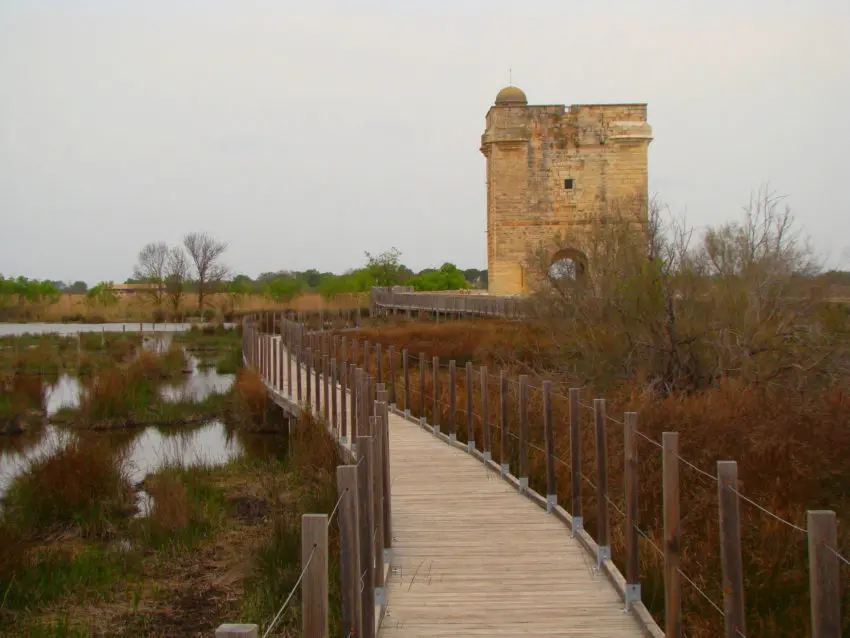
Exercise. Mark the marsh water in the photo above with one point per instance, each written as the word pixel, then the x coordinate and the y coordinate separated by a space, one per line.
pixel 17 329
pixel 147 449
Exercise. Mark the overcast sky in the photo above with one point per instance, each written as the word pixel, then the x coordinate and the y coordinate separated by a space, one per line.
pixel 304 133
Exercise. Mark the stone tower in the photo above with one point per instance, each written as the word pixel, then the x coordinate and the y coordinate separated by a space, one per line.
pixel 551 170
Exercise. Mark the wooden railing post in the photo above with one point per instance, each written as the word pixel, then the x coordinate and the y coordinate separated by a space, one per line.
pixel 366 357
pixel 309 375
pixel 485 414
pixel 422 384
pixel 406 373
pixel 672 535
pixel 604 531
pixel 334 395
pixel 314 585
pixel 327 382
pixel 630 485
pixel 379 363
pixel 387 480
pixel 366 527
pixel 357 428
pixel 289 365
pixel 343 397
pixel 730 549
pixel 523 431
pixel 393 397
pixel 549 434
pixel 298 363
pixel 575 460
pixel 470 409
pixel 316 360
pixel 452 402
pixel 824 583
pixel 435 362
pixel 349 544
pixel 504 435
pixel 376 431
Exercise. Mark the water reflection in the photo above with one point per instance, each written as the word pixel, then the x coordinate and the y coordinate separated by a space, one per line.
pixel 147 450
pixel 62 392
pixel 200 384
pixel 13 329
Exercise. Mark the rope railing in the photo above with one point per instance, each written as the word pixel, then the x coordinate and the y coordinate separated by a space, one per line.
pixel 301 369
pixel 511 443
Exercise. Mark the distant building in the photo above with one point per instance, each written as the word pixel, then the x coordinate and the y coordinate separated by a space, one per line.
pixel 125 290
pixel 551 170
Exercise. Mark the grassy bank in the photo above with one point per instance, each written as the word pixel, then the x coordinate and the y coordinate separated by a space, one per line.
pixel 75 354
pixel 218 544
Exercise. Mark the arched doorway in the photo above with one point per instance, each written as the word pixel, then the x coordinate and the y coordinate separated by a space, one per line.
pixel 568 264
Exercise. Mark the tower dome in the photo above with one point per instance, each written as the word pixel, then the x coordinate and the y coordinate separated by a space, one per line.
pixel 511 96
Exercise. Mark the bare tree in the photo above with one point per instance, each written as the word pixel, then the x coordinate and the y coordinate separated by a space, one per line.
pixel 177 274
pixel 205 253
pixel 681 314
pixel 151 269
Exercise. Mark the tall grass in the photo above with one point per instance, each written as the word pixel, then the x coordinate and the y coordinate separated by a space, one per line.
pixel 81 486
pixel 790 448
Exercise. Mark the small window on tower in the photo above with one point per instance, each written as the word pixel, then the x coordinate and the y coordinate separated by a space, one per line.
pixel 568 184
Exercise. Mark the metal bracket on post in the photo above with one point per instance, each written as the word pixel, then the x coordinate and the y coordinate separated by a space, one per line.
pixel 407 413
pixel 423 423
pixel 505 469
pixel 602 554
pixel 487 456
pixel 380 594
pixel 344 439
pixel 551 502
pixel 436 430
pixel 452 437
pixel 578 525
pixel 523 483
pixel 632 596
pixel 470 446
pixel 388 556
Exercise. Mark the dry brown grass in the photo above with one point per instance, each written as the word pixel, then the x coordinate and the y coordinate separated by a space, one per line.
pixel 790 448
pixel 140 307
pixel 170 509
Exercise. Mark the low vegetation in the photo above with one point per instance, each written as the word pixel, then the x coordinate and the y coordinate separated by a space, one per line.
pixel 216 544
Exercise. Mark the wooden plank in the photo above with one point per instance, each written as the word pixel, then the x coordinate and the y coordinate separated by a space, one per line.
pixel 379 364
pixel 231 630
pixel 824 576
pixel 314 584
pixel 730 549
pixel 513 566
pixel 672 535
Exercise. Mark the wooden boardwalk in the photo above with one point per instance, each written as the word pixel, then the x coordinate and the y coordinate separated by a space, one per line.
pixel 472 557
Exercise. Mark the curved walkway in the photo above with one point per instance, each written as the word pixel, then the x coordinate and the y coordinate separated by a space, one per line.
pixel 472 557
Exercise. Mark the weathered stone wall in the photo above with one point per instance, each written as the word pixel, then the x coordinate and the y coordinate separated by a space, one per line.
pixel 531 151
